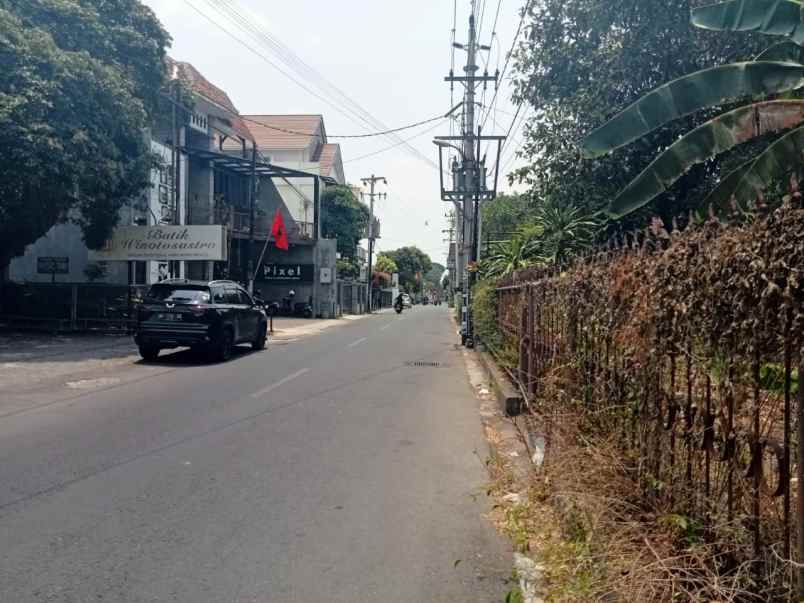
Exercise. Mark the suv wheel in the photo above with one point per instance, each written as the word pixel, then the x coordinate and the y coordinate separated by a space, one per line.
pixel 149 352
pixel 223 351
pixel 259 343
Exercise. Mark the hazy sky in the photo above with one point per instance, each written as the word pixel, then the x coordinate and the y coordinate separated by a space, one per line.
pixel 388 56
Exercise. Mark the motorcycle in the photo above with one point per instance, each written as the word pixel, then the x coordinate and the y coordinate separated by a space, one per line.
pixel 398 307
pixel 300 310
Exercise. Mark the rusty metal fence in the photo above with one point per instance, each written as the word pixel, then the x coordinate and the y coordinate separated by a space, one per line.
pixel 688 347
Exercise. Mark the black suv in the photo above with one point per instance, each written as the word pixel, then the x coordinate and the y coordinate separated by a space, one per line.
pixel 213 316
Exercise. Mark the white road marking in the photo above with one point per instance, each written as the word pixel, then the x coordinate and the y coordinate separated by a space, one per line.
pixel 280 383
pixel 92 383
pixel 357 343
pixel 388 326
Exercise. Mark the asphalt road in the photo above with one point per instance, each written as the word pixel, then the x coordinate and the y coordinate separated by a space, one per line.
pixel 344 467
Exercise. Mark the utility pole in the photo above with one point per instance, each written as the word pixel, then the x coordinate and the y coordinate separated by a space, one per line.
pixel 372 181
pixel 252 194
pixel 468 178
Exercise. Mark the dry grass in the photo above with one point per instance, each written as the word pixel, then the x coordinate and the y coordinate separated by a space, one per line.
pixel 583 516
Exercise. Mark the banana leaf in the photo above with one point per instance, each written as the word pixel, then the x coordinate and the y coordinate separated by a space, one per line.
pixel 750 179
pixel 772 17
pixel 691 93
pixel 788 52
pixel 704 142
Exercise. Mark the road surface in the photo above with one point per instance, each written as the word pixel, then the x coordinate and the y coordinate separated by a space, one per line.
pixel 341 467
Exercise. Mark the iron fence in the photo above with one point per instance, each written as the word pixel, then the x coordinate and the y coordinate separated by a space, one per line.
pixel 69 307
pixel 687 346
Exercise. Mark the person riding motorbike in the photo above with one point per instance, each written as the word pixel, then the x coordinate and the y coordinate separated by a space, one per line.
pixel 399 303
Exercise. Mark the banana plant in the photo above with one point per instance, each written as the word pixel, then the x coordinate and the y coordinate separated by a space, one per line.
pixel 777 71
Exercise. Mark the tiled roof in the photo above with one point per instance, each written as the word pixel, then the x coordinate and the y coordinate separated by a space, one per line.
pixel 203 87
pixel 327 156
pixel 281 132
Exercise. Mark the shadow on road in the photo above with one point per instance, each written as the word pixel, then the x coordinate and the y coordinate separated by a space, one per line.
pixel 188 357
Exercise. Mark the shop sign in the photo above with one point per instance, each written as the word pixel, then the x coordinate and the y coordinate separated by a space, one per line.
pixel 53 265
pixel 302 273
pixel 143 243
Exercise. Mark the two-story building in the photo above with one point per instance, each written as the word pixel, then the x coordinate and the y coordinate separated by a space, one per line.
pixel 297 145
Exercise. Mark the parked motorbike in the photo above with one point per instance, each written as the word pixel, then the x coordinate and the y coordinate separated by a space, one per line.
pixel 300 310
pixel 398 308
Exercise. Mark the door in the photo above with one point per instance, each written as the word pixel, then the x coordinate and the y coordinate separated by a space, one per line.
pixel 251 317
pixel 236 313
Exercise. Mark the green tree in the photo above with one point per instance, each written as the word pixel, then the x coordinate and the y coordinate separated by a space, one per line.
pixel 385 264
pixel 433 276
pixel 579 61
pixel 412 264
pixel 501 217
pixel 776 71
pixel 348 268
pixel 343 218
pixel 79 82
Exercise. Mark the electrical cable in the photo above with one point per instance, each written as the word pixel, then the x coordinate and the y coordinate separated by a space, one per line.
pixel 438 118
pixel 517 147
pixel 393 146
pixel 226 9
pixel 269 61
pixel 510 52
pixel 292 61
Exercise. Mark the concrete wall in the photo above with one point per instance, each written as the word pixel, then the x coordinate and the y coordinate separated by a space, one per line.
pixel 63 240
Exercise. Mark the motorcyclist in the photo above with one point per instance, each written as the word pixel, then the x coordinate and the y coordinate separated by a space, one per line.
pixel 399 302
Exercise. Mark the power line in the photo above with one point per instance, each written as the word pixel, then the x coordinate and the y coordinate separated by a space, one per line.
pixel 247 26
pixel 269 61
pixel 517 147
pixel 510 53
pixel 285 54
pixel 480 20
pixel 438 118
pixel 293 62
pixel 393 146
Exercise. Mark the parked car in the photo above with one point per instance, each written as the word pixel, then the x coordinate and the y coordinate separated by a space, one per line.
pixel 213 316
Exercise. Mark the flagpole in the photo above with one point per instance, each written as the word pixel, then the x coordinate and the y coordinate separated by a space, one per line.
pixel 262 256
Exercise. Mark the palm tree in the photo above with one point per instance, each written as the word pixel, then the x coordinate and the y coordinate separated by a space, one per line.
pixel 565 231
pixel 777 71
pixel 522 251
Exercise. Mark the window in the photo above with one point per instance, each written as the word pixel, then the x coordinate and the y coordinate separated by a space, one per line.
pixel 136 273
pixel 232 296
pixel 179 293
pixel 218 295
pixel 245 298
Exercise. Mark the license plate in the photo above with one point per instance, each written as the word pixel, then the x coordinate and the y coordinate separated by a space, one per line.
pixel 169 317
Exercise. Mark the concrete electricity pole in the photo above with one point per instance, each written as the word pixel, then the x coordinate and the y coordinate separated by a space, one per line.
pixel 468 177
pixel 372 181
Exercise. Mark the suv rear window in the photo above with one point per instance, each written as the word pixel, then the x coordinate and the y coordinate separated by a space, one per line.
pixel 184 294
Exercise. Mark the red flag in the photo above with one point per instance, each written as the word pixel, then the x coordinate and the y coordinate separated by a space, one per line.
pixel 279 232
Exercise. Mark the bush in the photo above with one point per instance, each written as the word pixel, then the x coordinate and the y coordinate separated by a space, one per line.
pixel 484 310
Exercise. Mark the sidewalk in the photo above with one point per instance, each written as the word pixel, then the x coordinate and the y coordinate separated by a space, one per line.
pixel 31 360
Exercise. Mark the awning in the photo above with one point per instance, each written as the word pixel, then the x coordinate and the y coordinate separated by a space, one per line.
pixel 242 166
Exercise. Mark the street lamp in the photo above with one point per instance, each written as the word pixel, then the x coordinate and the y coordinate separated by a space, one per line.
pixel 444 145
